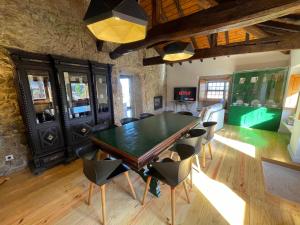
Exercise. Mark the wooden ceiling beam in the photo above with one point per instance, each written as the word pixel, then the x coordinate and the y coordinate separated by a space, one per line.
pixel 256 31
pixel 155 13
pixel 181 14
pixel 227 37
pixel 217 19
pixel 288 20
pixel 274 43
pixel 273 31
pixel 213 40
pixel 280 26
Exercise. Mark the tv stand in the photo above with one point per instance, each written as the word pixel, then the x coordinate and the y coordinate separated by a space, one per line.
pixel 183 105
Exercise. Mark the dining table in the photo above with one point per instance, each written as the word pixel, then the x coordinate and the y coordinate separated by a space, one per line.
pixel 141 142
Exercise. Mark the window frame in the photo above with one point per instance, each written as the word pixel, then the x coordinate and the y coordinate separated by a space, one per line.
pixel 225 89
pixel 202 95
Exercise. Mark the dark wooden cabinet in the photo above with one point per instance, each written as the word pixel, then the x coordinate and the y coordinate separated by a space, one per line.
pixel 62 101
pixel 101 84
pixel 77 104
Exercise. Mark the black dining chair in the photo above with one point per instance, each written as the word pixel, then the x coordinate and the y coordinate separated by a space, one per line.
pixel 100 172
pixel 193 138
pixel 210 131
pixel 128 120
pixel 145 115
pixel 185 113
pixel 172 173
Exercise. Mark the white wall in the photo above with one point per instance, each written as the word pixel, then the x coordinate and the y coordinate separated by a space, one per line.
pixel 294 147
pixel 294 68
pixel 188 73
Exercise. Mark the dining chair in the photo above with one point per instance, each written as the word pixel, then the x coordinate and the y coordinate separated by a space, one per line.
pixel 193 138
pixel 172 173
pixel 185 113
pixel 210 131
pixel 101 172
pixel 128 120
pixel 145 115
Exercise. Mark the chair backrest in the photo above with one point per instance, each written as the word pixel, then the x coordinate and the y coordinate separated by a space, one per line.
pixel 98 172
pixel 210 130
pixel 209 110
pixel 128 120
pixel 194 139
pixel 185 113
pixel 89 153
pixel 145 115
pixel 175 172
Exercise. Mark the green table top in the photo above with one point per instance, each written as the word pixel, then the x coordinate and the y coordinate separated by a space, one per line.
pixel 136 139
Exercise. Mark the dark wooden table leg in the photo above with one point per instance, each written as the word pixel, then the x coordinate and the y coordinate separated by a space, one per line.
pixel 154 184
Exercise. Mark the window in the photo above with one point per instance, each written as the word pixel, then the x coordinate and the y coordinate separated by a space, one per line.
pixel 217 90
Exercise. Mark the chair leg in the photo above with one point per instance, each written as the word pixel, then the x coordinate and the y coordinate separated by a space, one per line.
pixel 210 152
pixel 90 192
pixel 98 156
pixel 130 185
pixel 186 193
pixel 191 175
pixel 173 205
pixel 146 189
pixel 203 156
pixel 172 154
pixel 103 201
pixel 198 162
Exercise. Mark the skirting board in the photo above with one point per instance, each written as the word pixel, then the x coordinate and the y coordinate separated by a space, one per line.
pixel 293 156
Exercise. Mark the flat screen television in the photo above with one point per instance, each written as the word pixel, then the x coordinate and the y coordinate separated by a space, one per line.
pixel 185 94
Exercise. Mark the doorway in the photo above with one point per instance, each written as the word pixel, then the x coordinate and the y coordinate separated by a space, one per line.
pixel 127 96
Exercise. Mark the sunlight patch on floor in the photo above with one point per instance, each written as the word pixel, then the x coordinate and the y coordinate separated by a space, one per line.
pixel 224 200
pixel 237 145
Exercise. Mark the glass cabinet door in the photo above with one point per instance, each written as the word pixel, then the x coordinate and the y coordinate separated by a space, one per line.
pixel 77 92
pixel 102 94
pixel 41 94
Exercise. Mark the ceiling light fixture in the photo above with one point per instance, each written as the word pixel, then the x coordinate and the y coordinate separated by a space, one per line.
pixel 178 51
pixel 119 21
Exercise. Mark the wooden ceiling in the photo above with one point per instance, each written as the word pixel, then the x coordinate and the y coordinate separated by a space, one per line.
pixel 160 12
pixel 173 9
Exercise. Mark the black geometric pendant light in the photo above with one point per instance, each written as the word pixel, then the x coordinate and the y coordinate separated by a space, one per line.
pixel 178 51
pixel 119 21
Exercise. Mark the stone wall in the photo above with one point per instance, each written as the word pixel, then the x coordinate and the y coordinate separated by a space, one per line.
pixel 56 27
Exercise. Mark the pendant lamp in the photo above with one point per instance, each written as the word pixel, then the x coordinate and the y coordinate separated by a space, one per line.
pixel 177 51
pixel 118 21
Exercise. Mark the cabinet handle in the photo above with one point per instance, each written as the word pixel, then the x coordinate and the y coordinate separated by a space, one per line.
pixel 50 137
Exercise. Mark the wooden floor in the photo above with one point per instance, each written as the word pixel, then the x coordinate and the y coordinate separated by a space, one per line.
pixel 230 190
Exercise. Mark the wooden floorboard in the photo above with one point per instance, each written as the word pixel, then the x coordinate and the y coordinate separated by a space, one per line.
pixel 230 190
